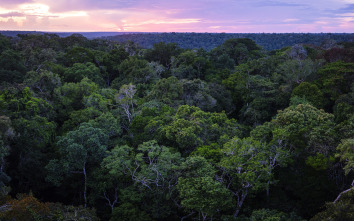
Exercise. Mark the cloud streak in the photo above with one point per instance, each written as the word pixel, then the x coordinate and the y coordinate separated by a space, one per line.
pixel 183 15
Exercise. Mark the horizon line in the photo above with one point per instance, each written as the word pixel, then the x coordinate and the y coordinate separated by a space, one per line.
pixel 177 32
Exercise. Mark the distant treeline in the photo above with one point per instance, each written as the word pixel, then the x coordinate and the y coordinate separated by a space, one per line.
pixel 89 35
pixel 209 41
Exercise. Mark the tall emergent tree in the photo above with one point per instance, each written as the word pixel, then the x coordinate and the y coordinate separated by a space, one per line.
pixel 79 151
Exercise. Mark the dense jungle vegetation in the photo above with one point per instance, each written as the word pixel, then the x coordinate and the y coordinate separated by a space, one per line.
pixel 100 130
pixel 208 41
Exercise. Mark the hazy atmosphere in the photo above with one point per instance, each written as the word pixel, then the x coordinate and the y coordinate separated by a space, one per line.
pixel 241 16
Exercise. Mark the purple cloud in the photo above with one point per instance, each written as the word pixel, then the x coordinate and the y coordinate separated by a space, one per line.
pixel 12 14
pixel 188 15
pixel 6 3
pixel 348 9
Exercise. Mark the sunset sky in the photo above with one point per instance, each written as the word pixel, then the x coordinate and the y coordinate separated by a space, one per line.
pixel 236 16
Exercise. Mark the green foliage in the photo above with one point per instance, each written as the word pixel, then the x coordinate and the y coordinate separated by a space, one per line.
pixel 134 71
pixel 109 124
pixel 4 152
pixel 70 96
pixel 43 83
pixel 79 55
pixel 24 103
pixel 336 79
pixel 208 41
pixel 341 210
pixel 319 161
pixel 149 122
pixel 36 131
pixel 310 92
pixel 197 93
pixel 167 90
pixel 297 71
pixel 246 161
pixel 129 212
pixel 192 127
pixel 12 69
pixel 199 191
pixel 344 106
pixel 162 53
pixel 151 165
pixel 78 148
pixel 302 124
pixel 80 71
pixel 4 43
pixel 188 65
pixel 79 151
pixel 169 133
pixel 272 215
pixel 211 152
pixel 346 153
pixel 203 194
pixel 111 61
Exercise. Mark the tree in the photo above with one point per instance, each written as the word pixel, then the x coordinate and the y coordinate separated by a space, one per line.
pixel 135 71
pixel 245 167
pixel 152 167
pixel 167 90
pixel 311 137
pixel 162 53
pixel 111 61
pixel 188 65
pixel 152 164
pixel 80 71
pixel 346 153
pixel 305 126
pixel 310 92
pixel 43 82
pixel 234 52
pixel 109 124
pixel 197 93
pixel 6 134
pixel 70 97
pixel 12 68
pixel 192 127
pixel 4 152
pixel 79 55
pixel 79 151
pixel 297 71
pixel 273 215
pixel 336 79
pixel 4 43
pixel 125 98
pixel 199 191
pixel 148 123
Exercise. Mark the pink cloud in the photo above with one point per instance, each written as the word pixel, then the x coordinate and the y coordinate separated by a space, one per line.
pixel 183 15
pixel 11 14
pixel 9 3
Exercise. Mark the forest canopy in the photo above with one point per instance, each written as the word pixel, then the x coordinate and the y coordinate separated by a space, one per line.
pixel 105 130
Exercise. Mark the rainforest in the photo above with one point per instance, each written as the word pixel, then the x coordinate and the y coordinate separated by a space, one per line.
pixel 107 129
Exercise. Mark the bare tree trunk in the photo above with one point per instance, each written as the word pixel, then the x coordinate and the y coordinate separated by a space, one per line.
pixel 204 216
pixel 115 200
pixel 85 190
pixel 239 204
pixel 268 189
pixel 345 191
pixel 184 217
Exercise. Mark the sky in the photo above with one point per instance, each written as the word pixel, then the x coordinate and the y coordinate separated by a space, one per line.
pixel 230 16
